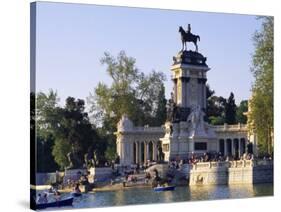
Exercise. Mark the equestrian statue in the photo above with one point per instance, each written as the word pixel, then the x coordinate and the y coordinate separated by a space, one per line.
pixel 187 36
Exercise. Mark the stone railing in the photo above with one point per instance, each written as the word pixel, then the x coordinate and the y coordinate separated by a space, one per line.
pixel 231 164
pixel 227 127
pixel 232 172
pixel 149 129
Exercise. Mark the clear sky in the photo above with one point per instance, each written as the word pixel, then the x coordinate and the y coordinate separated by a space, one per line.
pixel 71 39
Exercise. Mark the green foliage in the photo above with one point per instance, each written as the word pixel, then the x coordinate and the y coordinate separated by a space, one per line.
pixel 215 107
pixel 46 118
pixel 221 110
pixel 216 120
pixel 138 95
pixel 60 150
pixel 75 131
pixel 241 109
pixel 261 114
pixel 62 129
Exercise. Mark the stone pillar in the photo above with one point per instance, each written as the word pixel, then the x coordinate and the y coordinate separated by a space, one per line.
pixel 137 152
pixel 187 99
pixel 175 90
pixel 204 94
pixel 140 152
pixel 198 92
pixel 183 91
pixel 154 151
pixel 146 151
pixel 122 148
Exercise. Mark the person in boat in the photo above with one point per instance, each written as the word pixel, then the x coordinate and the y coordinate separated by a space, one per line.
pixel 51 189
pixel 77 189
pixel 57 195
pixel 44 198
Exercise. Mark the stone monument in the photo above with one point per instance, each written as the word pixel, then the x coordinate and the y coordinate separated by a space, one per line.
pixel 186 132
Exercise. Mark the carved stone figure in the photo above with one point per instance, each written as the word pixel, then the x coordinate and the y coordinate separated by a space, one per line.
pixel 170 108
pixel 196 119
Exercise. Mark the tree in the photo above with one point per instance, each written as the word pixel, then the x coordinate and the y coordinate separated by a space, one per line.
pixel 160 114
pixel 75 133
pixel 45 116
pixel 46 113
pixel 241 109
pixel 230 110
pixel 261 110
pixel 61 130
pixel 215 107
pixel 140 96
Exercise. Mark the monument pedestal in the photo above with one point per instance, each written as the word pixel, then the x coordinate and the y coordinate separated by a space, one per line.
pixel 186 133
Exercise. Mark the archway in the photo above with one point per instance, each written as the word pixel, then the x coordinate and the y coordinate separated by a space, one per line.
pixel 142 152
pixel 135 153
pixel 243 145
pixel 236 148
pixel 229 147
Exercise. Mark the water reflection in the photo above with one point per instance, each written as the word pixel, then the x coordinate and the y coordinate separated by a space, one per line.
pixel 185 193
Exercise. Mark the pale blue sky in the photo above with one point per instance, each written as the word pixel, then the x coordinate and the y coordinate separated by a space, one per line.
pixel 71 39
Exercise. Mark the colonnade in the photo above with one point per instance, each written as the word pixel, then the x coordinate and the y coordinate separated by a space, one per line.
pixel 233 147
pixel 144 151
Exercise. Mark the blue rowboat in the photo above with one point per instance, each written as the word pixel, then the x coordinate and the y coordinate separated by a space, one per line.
pixel 60 203
pixel 166 188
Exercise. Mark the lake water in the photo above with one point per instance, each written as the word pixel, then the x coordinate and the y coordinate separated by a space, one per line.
pixel 184 193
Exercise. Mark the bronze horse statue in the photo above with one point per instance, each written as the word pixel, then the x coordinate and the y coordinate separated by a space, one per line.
pixel 188 37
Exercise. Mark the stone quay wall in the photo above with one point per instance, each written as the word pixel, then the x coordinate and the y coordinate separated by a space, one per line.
pixel 100 174
pixel 46 178
pixel 232 172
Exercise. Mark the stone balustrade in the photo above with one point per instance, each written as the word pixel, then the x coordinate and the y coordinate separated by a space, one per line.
pixel 227 127
pixel 149 129
pixel 232 172
pixel 231 164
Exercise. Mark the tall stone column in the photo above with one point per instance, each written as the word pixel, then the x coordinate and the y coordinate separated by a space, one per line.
pixel 146 151
pixel 137 152
pixel 183 92
pixel 175 90
pixel 140 152
pixel 154 151
pixel 204 94
pixel 122 152
pixel 199 92
pixel 187 91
